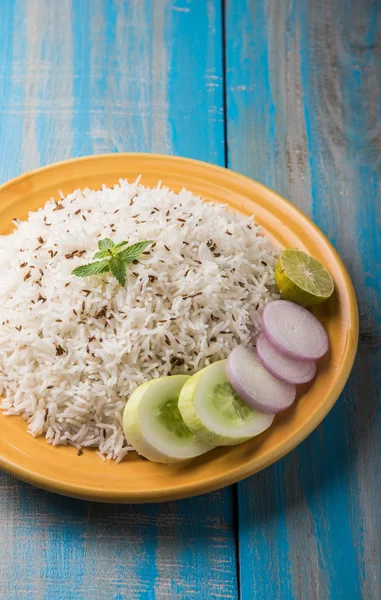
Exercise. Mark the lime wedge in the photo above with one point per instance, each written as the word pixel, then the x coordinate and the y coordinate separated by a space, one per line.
pixel 302 279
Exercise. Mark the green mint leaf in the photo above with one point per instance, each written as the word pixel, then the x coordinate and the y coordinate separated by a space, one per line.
pixel 115 259
pixel 94 268
pixel 105 244
pixel 118 247
pixel 102 254
pixel 118 269
pixel 133 252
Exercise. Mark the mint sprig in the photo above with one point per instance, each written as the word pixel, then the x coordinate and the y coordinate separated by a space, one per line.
pixel 115 258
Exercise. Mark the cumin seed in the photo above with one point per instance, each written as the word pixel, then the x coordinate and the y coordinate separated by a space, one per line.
pixel 101 313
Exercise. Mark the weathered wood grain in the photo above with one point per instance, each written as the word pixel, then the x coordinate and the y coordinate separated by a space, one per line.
pixel 303 116
pixel 106 76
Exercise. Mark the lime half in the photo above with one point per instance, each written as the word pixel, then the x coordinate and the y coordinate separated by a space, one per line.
pixel 302 279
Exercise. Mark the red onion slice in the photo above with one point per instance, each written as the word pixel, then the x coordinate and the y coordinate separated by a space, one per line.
pixel 255 385
pixel 294 331
pixel 282 366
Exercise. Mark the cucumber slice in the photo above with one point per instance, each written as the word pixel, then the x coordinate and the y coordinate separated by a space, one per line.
pixel 215 413
pixel 153 425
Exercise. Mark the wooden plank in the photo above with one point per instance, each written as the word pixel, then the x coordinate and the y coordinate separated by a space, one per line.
pixel 303 108
pixel 106 76
pixel 12 55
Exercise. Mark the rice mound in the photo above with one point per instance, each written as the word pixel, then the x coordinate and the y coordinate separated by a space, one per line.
pixel 73 349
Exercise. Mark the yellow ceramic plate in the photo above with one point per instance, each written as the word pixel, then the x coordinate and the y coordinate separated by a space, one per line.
pixel 59 469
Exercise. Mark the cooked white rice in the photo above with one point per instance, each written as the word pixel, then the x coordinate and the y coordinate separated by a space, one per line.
pixel 73 349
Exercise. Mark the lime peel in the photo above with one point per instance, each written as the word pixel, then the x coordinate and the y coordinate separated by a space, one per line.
pixel 302 279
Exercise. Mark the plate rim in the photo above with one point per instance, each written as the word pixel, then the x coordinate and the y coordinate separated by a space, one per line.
pixel 242 471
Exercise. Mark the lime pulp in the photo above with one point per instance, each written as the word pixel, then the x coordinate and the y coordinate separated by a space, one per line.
pixel 302 279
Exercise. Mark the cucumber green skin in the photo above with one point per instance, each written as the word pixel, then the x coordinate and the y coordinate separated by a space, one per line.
pixel 186 405
pixel 193 422
pixel 135 436
pixel 133 432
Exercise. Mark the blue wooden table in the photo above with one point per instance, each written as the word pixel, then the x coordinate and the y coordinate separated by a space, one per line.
pixel 289 93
